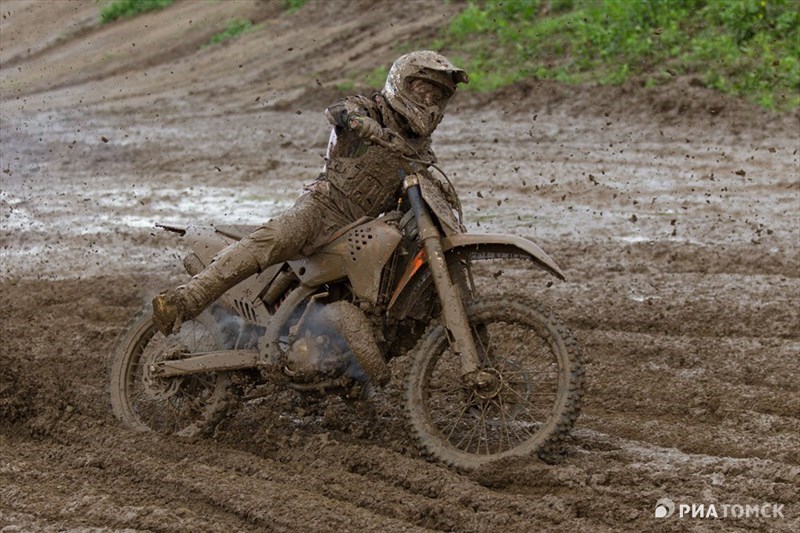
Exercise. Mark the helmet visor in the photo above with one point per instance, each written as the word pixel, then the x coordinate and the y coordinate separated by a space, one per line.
pixel 425 92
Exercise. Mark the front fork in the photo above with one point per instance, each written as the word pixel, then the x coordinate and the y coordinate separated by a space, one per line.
pixel 454 315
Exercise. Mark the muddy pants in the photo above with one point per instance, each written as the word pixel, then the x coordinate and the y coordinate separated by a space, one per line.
pixel 290 235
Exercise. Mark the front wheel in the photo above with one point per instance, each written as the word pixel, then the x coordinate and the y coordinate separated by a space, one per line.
pixel 531 401
pixel 183 405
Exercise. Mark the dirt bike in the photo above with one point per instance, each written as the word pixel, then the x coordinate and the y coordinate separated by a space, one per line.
pixel 491 376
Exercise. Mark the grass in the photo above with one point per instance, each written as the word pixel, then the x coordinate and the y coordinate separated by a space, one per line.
pixel 750 48
pixel 129 8
pixel 294 5
pixel 377 78
pixel 233 29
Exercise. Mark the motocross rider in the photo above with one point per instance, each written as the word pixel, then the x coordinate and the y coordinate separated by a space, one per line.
pixel 362 176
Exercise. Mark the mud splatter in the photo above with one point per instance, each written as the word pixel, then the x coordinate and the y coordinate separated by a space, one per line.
pixel 691 329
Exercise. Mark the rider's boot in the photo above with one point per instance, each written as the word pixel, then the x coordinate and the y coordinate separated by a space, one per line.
pixel 173 307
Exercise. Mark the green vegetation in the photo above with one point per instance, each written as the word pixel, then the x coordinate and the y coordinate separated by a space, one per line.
pixel 345 86
pixel 234 28
pixel 294 5
pixel 377 78
pixel 744 47
pixel 129 8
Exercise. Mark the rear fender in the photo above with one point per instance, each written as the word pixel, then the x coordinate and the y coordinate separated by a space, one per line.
pixel 208 241
pixel 205 242
pixel 417 276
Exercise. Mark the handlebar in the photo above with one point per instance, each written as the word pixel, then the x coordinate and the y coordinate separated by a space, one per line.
pixel 370 130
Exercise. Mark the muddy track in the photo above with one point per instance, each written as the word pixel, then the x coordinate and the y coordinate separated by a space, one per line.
pixel 674 213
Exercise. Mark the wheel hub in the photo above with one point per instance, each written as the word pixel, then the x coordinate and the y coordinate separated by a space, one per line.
pixel 486 383
pixel 156 387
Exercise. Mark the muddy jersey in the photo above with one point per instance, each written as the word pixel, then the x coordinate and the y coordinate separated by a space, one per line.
pixel 359 178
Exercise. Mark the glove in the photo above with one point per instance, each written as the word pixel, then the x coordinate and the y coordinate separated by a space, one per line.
pixel 366 128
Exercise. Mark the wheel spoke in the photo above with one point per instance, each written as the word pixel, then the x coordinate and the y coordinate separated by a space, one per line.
pixel 499 405
pixel 460 416
pixel 523 400
pixel 535 360
pixel 483 429
pixel 525 372
pixel 477 335
pixel 162 404
pixel 520 345
pixel 447 390
pixel 471 435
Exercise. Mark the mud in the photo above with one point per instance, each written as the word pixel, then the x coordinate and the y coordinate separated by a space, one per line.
pixel 673 212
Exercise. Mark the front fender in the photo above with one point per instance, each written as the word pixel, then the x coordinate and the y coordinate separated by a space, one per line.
pixel 492 240
pixel 477 245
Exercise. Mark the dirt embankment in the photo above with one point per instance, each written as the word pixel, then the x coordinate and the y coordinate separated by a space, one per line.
pixel 674 213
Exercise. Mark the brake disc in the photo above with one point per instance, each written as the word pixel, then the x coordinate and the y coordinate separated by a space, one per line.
pixel 159 388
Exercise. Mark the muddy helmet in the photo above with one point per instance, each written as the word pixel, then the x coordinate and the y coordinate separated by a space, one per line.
pixel 422 114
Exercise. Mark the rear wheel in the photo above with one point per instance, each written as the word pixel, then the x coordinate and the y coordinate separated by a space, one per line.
pixel 532 397
pixel 183 405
